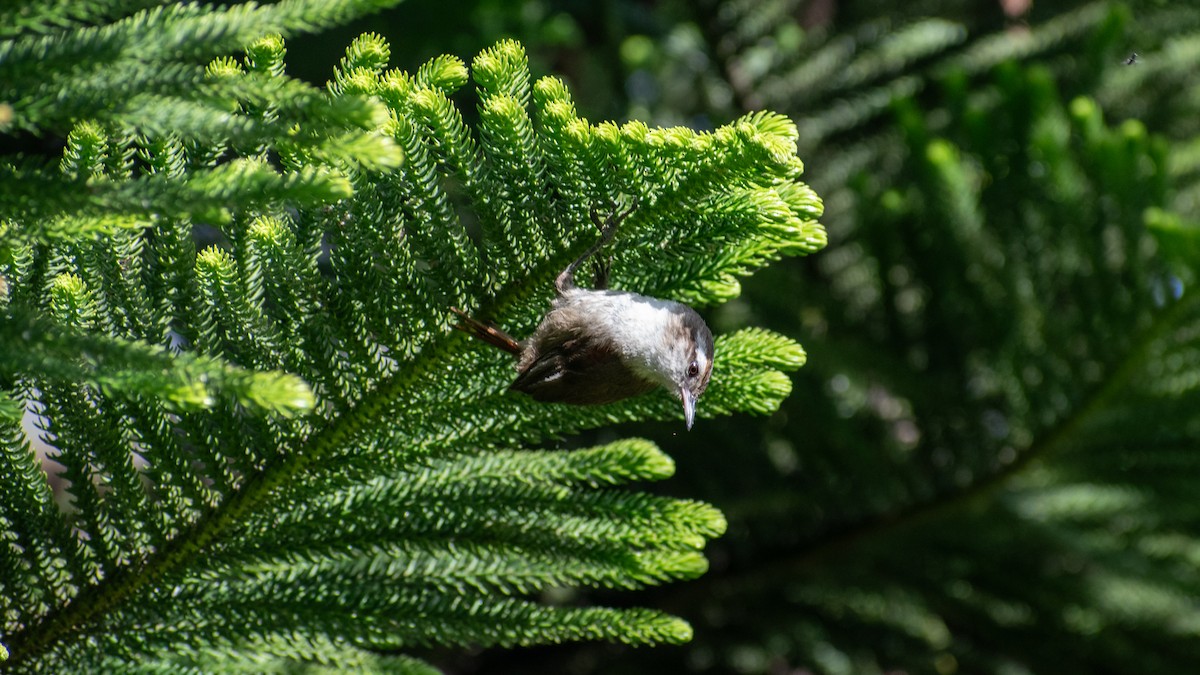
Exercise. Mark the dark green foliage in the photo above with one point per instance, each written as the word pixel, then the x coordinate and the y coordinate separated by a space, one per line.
pixel 989 465
pixel 276 452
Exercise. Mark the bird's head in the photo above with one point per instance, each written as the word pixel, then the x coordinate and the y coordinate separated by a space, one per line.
pixel 692 359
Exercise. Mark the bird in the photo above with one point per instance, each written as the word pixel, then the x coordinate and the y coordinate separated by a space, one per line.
pixel 596 345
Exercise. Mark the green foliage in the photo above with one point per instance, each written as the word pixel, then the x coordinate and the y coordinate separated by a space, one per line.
pixel 276 451
pixel 990 464
pixel 184 146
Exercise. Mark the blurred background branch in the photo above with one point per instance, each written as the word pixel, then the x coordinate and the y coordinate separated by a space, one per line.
pixel 988 464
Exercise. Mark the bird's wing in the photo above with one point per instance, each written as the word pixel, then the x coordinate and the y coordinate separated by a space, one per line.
pixel 579 371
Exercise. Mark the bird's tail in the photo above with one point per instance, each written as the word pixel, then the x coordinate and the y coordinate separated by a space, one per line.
pixel 489 334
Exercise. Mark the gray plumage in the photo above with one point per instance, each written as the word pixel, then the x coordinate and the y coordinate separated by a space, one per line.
pixel 600 346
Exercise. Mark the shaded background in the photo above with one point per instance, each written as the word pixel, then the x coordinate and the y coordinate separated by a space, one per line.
pixel 989 464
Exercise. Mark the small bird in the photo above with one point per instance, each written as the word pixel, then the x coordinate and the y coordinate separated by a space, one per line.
pixel 597 346
pixel 1133 58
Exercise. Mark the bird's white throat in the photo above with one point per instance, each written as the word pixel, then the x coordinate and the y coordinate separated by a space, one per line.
pixel 639 326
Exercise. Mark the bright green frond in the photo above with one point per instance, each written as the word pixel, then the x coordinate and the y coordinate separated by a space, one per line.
pixel 277 452
pixel 36 347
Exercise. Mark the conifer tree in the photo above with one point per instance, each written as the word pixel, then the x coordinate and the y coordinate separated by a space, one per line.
pixel 276 451
pixel 990 464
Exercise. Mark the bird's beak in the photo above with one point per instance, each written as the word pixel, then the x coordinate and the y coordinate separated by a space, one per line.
pixel 689 406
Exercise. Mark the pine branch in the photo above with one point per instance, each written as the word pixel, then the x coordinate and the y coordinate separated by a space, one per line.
pixel 229 528
pixel 116 367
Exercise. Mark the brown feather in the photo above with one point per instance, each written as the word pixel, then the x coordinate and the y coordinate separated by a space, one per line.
pixel 489 334
pixel 578 371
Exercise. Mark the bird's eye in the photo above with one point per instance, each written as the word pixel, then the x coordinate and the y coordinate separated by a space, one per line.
pixel 693 369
